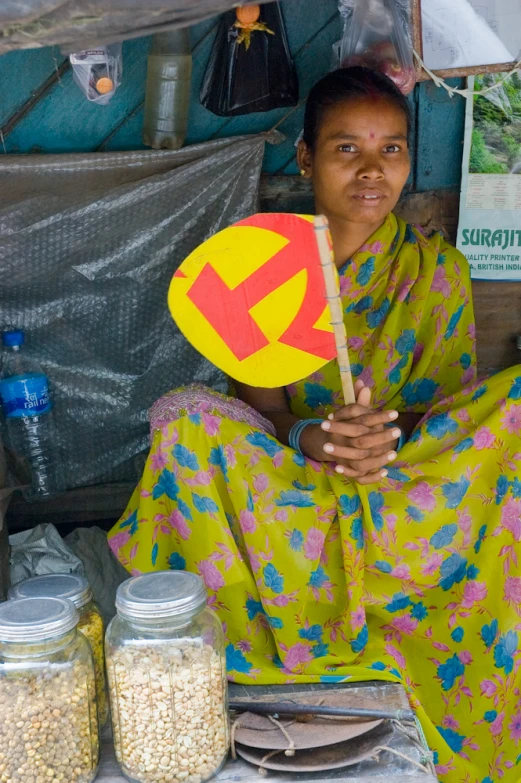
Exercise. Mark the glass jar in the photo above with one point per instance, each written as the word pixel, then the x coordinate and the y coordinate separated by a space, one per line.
pixel 76 589
pixel 167 680
pixel 49 722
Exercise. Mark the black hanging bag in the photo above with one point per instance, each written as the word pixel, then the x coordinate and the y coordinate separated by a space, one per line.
pixel 250 67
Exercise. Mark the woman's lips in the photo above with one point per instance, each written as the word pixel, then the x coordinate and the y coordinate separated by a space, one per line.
pixel 369 197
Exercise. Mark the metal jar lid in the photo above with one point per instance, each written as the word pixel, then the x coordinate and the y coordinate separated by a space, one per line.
pixel 161 594
pixel 69 586
pixel 35 619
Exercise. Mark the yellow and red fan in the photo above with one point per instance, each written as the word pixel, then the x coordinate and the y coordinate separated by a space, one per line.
pixel 260 300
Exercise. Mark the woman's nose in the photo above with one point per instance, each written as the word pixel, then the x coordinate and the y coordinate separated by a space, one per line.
pixel 370 168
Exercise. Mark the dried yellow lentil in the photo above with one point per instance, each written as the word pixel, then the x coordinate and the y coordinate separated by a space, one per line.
pixel 48 726
pixel 91 626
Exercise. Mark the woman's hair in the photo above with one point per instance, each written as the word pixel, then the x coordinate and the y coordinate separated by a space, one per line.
pixel 348 84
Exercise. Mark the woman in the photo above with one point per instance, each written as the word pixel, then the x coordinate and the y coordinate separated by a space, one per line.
pixel 420 585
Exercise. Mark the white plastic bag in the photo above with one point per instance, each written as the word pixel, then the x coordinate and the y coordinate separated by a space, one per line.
pixel 41 551
pixel 97 72
pixel 377 35
pixel 103 571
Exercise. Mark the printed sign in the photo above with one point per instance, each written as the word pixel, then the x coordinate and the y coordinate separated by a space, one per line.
pixel 489 232
pixel 251 299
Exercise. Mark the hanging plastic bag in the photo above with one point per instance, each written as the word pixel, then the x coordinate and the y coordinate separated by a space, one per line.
pixel 250 67
pixel 377 35
pixel 97 72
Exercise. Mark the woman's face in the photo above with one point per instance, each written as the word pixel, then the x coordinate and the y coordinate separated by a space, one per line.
pixel 360 162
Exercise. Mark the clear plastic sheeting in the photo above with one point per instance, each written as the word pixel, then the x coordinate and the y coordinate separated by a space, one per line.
pixel 5 493
pixel 75 24
pixel 88 246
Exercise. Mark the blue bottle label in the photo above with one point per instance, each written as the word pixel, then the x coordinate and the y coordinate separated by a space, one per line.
pixel 26 395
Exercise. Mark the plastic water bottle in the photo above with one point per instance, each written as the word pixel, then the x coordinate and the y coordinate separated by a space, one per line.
pixel 167 100
pixel 24 390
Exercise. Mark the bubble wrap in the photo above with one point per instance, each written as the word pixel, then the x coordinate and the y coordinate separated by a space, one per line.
pixel 88 246
pixel 77 24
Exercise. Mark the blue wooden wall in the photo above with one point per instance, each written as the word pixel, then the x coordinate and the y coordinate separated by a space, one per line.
pixel 42 110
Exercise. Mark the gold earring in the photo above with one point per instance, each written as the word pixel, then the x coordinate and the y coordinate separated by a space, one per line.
pixel 302 172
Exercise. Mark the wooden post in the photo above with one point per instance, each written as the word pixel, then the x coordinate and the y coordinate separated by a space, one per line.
pixel 327 262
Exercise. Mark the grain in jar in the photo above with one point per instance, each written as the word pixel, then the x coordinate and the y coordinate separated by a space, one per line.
pixel 74 588
pixel 167 680
pixel 48 719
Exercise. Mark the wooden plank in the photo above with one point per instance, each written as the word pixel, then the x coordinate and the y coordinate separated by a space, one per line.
pixel 417 37
pixel 384 695
pixel 37 95
pixel 86 504
pixel 241 772
pixel 439 146
pixel 286 194
pixel 433 210
pixel 22 74
pixel 497 310
pixel 127 135
pixel 472 70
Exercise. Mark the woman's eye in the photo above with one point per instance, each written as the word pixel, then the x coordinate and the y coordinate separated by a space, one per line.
pixel 347 148
pixel 392 148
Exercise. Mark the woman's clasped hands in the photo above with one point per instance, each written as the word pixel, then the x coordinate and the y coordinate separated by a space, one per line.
pixel 361 441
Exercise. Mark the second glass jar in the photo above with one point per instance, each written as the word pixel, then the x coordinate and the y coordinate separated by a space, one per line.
pixel 167 680
pixel 76 589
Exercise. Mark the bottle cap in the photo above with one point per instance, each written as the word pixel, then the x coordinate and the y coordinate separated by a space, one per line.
pixel 104 85
pixel 161 594
pixel 13 337
pixel 72 587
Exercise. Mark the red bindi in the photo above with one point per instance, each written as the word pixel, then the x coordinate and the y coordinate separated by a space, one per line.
pixel 371 135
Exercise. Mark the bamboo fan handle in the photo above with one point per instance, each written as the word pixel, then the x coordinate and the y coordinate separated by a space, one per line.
pixel 327 262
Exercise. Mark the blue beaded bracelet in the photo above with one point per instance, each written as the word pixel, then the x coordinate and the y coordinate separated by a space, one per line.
pixel 297 430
